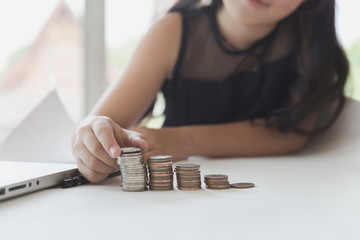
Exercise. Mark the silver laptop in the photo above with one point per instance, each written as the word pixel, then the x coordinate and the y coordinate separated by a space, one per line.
pixel 18 178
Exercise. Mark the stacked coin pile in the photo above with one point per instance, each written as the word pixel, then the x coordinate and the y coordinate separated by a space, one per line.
pixel 133 170
pixel 216 181
pixel 161 173
pixel 188 177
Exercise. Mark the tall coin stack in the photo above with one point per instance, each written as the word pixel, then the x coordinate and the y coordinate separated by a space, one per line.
pixel 133 170
pixel 216 181
pixel 160 173
pixel 188 177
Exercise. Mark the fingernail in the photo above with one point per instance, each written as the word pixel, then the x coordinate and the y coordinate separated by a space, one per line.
pixel 113 150
pixel 137 138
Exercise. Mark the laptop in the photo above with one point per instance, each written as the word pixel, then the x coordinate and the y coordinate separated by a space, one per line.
pixel 19 178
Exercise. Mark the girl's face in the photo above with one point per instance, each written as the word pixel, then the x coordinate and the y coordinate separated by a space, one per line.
pixel 260 12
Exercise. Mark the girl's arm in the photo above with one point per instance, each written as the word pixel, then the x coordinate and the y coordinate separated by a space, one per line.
pixel 238 139
pixel 129 98
pixel 97 141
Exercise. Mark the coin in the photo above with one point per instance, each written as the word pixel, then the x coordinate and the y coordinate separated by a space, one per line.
pixel 188 177
pixel 188 165
pixel 160 169
pixel 160 172
pixel 133 170
pixel 133 189
pixel 128 150
pixel 160 158
pixel 187 173
pixel 189 189
pixel 216 176
pixel 216 181
pixel 242 185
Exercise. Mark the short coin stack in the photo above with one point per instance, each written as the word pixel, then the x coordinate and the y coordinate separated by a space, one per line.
pixel 216 181
pixel 242 185
pixel 133 170
pixel 188 177
pixel 161 173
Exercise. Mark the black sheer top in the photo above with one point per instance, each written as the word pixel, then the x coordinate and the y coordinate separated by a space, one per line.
pixel 214 83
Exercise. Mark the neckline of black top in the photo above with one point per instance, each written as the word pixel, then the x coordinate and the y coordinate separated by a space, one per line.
pixel 211 10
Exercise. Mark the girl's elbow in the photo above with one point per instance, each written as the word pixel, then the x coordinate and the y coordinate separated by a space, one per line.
pixel 297 145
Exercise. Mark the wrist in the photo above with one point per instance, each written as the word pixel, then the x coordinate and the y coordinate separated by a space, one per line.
pixel 186 141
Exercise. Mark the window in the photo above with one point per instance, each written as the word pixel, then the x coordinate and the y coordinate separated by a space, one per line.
pixel 126 22
pixel 349 34
pixel 37 42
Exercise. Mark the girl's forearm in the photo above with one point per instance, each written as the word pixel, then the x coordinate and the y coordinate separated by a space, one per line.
pixel 238 139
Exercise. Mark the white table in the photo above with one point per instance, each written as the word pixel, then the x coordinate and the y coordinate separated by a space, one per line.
pixel 312 195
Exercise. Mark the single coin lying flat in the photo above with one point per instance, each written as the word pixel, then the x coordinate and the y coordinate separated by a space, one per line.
pixel 242 185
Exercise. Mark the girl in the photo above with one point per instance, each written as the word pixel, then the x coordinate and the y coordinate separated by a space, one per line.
pixel 240 78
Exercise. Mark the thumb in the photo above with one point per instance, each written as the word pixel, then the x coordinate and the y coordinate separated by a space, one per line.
pixel 129 138
pixel 139 142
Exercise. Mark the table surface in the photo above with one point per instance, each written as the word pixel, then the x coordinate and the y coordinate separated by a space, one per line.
pixel 311 195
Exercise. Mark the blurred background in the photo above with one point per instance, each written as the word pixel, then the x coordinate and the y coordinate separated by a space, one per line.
pixel 43 38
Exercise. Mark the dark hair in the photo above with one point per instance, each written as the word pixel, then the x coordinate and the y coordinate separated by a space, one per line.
pixel 321 62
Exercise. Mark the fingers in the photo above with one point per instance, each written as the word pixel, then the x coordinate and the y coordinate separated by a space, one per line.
pixel 104 131
pixel 139 142
pixel 98 142
pixel 94 146
pixel 94 163
pixel 93 160
pixel 88 173
pixel 128 138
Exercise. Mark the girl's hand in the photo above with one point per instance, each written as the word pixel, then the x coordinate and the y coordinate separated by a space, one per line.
pixel 97 143
pixel 164 141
